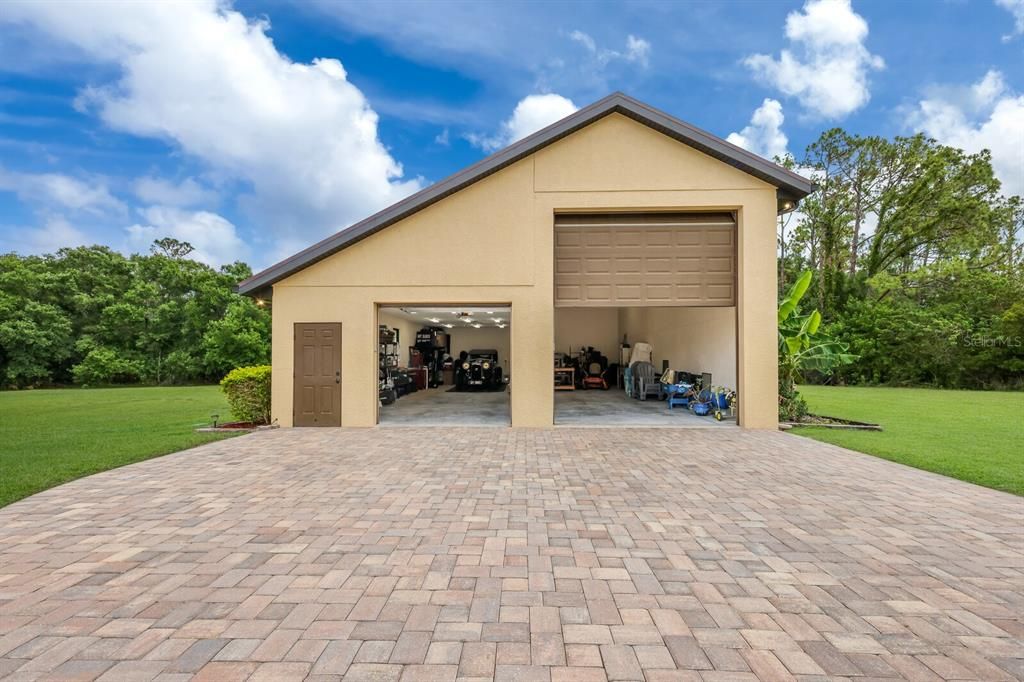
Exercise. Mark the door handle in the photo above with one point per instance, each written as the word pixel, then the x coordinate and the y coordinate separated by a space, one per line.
pixel 337 377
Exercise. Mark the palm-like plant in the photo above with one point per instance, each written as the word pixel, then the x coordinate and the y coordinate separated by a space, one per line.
pixel 803 347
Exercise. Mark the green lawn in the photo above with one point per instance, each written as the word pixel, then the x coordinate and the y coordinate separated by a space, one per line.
pixel 48 437
pixel 976 436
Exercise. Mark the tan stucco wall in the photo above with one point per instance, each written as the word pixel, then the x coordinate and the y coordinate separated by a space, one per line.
pixel 597 327
pixel 503 225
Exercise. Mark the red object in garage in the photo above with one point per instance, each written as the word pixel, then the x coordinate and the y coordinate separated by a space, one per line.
pixel 419 375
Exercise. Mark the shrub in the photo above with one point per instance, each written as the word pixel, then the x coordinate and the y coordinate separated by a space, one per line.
pixel 179 367
pixel 248 393
pixel 103 365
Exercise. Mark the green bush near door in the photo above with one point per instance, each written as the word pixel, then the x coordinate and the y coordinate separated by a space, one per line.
pixel 247 390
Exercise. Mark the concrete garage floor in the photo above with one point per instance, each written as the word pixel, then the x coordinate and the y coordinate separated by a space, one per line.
pixel 441 407
pixel 613 408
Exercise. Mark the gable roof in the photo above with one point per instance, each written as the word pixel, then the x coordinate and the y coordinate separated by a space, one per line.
pixel 790 185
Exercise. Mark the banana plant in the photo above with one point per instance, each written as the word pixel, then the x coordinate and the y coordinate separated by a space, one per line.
pixel 803 347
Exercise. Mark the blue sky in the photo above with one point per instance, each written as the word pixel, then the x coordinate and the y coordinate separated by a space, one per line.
pixel 255 128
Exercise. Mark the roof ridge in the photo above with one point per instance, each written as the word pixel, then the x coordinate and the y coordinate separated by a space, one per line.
pixel 786 180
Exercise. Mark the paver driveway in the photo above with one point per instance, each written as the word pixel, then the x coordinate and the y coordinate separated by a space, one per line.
pixel 560 554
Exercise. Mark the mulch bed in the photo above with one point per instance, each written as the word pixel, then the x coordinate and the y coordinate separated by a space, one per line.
pixel 229 427
pixel 833 423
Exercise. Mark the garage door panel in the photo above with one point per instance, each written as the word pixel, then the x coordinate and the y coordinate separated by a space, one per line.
pixel 720 237
pixel 719 265
pixel 689 293
pixel 597 238
pixel 569 293
pixel 569 237
pixel 629 264
pixel 662 266
pixel 629 293
pixel 694 238
pixel 626 238
pixel 659 238
pixel 568 266
pixel 597 266
pixel 645 259
pixel 722 294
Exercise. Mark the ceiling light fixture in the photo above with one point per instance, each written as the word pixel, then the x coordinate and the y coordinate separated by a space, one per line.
pixel 448 325
pixel 501 326
pixel 496 319
pixel 476 326
pixel 434 319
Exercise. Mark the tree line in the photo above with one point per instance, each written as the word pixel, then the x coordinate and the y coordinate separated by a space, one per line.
pixel 915 249
pixel 917 253
pixel 93 316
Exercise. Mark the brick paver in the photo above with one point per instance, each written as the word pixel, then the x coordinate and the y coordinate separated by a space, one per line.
pixel 564 554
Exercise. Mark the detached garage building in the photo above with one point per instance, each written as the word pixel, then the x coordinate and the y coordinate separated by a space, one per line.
pixel 618 219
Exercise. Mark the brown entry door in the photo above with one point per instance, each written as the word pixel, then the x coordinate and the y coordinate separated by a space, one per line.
pixel 317 400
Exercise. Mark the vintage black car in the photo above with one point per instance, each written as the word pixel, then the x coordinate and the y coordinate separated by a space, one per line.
pixel 479 369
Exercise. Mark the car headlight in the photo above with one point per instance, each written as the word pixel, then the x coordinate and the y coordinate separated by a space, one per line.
pixel 465 365
pixel 487 365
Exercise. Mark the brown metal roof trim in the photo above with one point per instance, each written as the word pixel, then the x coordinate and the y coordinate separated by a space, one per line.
pixel 789 183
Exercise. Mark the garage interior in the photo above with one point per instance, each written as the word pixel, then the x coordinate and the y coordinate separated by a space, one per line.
pixel 444 365
pixel 655 288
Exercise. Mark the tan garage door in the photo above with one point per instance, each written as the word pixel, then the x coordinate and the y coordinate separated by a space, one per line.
pixel 651 259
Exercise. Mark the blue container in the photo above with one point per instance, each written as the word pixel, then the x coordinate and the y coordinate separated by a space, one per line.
pixel 721 400
pixel 701 409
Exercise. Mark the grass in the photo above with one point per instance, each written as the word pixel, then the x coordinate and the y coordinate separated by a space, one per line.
pixel 49 437
pixel 975 436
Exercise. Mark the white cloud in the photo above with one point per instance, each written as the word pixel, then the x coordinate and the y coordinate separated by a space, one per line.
pixel 1016 8
pixel 212 83
pixel 47 190
pixel 215 238
pixel 188 192
pixel 443 139
pixel 532 113
pixel 985 115
pixel 827 65
pixel 637 50
pixel 55 233
pixel 764 135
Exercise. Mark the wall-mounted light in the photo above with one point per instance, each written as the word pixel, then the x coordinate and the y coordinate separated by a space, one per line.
pixel 260 302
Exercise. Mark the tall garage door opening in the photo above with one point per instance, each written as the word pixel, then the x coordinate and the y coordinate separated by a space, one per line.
pixel 445 364
pixel 652 288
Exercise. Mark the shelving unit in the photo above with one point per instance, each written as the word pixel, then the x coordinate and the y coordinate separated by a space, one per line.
pixel 387 361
